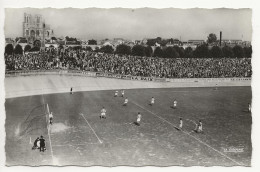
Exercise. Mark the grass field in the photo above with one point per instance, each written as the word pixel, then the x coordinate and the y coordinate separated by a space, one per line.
pixel 79 137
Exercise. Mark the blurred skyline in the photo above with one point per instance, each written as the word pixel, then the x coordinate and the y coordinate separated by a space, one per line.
pixel 136 24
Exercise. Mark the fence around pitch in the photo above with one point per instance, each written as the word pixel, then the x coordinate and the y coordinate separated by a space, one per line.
pixel 118 76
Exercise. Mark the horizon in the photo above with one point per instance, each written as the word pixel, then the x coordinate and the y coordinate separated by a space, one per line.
pixel 137 24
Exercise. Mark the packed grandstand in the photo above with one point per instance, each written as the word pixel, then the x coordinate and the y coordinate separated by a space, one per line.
pixel 69 59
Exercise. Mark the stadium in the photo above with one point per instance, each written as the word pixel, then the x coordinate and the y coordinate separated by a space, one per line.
pixel 159 102
pixel 79 137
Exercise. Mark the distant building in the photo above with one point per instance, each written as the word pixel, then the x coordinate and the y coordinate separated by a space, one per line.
pixel 115 42
pixel 192 44
pixel 173 42
pixel 9 41
pixel 196 42
pixel 109 43
pixel 93 47
pixel 234 42
pixel 33 27
pixel 119 41
pixel 60 41
pixel 130 43
pixel 137 42
pixel 144 41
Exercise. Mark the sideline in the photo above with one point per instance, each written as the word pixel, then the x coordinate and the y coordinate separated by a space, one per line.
pixel 21 86
pixel 91 128
pixel 48 128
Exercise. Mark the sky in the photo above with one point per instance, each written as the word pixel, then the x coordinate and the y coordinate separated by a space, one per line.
pixel 136 24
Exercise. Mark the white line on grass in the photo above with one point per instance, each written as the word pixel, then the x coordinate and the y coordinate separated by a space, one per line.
pixel 238 163
pixel 91 129
pixel 184 91
pixel 83 144
pixel 48 128
pixel 191 121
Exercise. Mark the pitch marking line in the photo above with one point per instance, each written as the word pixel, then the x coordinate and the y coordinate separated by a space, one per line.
pixel 83 144
pixel 189 135
pixel 91 128
pixel 191 121
pixel 48 128
pixel 181 91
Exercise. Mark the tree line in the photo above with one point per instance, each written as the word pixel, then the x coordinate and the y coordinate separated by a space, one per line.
pixel 9 49
pixel 202 51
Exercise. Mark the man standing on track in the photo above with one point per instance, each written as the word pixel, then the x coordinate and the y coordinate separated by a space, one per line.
pixel 122 93
pixel 71 90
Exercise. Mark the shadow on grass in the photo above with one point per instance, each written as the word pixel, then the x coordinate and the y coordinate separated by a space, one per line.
pixel 135 123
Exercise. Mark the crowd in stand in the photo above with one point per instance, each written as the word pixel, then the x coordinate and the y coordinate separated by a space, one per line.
pixel 131 65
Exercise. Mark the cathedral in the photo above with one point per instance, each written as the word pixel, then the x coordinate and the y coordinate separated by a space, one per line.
pixel 34 28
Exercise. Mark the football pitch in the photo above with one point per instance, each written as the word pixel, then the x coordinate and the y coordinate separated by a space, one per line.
pixel 79 137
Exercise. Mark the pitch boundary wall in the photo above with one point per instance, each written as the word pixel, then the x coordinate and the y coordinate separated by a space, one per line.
pixel 118 76
pixel 28 83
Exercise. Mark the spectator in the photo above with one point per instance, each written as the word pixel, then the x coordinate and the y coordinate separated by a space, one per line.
pixel 131 65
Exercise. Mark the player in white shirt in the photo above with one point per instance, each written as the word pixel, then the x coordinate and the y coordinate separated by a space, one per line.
pixel 199 127
pixel 174 104
pixel 138 120
pixel 103 113
pixel 122 93
pixel 116 94
pixel 181 123
pixel 152 101
pixel 249 107
pixel 126 101
pixel 50 118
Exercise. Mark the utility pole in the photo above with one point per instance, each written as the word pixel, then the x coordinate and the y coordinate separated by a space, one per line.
pixel 220 38
pixel 43 37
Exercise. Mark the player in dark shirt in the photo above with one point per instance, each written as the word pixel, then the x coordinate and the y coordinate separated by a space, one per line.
pixel 35 144
pixel 42 144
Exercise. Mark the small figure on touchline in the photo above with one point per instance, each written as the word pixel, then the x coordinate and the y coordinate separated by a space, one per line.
pixel 71 90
